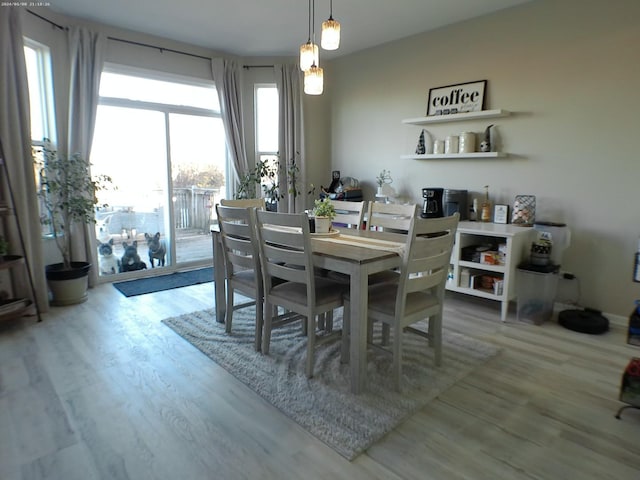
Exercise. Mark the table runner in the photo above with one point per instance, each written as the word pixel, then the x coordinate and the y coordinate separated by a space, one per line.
pixel 376 244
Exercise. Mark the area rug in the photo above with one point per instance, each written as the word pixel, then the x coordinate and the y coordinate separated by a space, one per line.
pixel 324 405
pixel 142 286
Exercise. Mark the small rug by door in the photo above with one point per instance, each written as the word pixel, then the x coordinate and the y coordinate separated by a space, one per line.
pixel 324 405
pixel 141 286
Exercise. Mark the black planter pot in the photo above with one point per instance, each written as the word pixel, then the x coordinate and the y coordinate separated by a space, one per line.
pixel 68 287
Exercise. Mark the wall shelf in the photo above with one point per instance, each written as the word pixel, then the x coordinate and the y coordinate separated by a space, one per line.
pixel 457 117
pixel 453 156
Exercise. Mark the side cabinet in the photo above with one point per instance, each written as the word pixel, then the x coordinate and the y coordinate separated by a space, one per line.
pixel 484 260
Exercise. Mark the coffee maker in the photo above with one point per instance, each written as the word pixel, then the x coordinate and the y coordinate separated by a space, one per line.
pixel 432 203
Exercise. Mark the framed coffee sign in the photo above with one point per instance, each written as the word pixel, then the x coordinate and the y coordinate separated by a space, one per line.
pixel 464 97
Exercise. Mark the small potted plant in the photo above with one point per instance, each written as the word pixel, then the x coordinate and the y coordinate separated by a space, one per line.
pixel 383 178
pixel 68 193
pixel 324 212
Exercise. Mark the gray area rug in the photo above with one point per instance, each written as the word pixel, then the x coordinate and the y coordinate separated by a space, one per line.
pixel 324 405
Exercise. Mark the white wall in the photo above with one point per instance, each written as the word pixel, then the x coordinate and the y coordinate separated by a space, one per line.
pixel 570 72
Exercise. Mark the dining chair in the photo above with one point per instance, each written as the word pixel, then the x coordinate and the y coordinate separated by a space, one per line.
pixel 286 255
pixel 350 214
pixel 390 216
pixel 419 293
pixel 242 263
pixel 244 203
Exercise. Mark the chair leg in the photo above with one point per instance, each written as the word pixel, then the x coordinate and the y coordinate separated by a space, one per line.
pixel 311 344
pixel 259 323
pixel 397 355
pixel 266 328
pixel 346 330
pixel 328 322
pixel 229 316
pixel 435 337
pixel 385 334
pixel 321 321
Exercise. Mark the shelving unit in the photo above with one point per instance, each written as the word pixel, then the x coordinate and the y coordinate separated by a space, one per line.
pixel 453 156
pixel 456 117
pixel 11 308
pixel 517 241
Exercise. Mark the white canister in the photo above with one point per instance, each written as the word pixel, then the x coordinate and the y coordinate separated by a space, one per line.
pixel 451 144
pixel 467 142
pixel 438 146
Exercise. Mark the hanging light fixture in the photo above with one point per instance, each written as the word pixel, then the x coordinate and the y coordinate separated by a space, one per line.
pixel 309 51
pixel 330 39
pixel 314 80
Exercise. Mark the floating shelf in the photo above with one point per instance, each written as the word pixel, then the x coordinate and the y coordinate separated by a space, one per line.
pixel 457 117
pixel 453 156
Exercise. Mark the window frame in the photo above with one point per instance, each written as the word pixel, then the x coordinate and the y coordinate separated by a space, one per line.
pixel 271 156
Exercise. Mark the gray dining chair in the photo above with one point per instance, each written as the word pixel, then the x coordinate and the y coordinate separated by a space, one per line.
pixel 290 282
pixel 350 214
pixel 242 263
pixel 418 295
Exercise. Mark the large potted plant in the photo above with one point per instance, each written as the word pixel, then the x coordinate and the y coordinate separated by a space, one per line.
pixel 68 193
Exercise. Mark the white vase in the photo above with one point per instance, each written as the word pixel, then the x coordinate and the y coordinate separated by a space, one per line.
pixel 323 224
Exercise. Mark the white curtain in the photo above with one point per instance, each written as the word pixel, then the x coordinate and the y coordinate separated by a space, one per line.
pixel 226 75
pixel 86 56
pixel 15 133
pixel 290 135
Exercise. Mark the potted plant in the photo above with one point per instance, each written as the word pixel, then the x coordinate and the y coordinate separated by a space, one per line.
pixel 68 194
pixel 324 212
pixel 383 178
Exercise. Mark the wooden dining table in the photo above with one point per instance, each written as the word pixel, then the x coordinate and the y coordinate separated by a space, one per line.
pixel 356 253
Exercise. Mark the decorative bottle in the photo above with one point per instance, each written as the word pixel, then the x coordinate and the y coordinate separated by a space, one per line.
pixel 636 264
pixel 485 211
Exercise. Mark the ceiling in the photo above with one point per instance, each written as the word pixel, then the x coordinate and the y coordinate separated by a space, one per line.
pixel 277 27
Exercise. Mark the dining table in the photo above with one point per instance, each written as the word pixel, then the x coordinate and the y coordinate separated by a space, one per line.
pixel 356 253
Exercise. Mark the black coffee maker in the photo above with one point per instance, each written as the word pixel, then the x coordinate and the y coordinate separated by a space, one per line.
pixel 432 206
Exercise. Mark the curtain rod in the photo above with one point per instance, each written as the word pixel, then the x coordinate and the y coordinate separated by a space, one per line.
pixel 247 67
pixel 115 39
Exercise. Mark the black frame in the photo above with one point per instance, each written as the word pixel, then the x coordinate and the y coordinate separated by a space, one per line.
pixel 449 88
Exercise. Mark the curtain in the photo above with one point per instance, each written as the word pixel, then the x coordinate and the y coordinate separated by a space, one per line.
pixel 86 56
pixel 290 137
pixel 226 75
pixel 15 134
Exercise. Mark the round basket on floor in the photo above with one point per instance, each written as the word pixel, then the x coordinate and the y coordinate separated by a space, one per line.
pixel 583 321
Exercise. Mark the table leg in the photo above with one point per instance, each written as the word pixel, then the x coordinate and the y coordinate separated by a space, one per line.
pixel 358 343
pixel 218 277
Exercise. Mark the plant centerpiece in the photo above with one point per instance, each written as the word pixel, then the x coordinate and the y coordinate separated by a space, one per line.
pixel 383 178
pixel 324 212
pixel 68 193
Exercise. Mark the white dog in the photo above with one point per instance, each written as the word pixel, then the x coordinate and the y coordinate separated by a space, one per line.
pixel 108 262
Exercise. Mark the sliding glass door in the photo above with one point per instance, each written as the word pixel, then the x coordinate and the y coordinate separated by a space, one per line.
pixel 167 158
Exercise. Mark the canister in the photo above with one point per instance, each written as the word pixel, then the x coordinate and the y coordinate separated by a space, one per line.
pixel 467 142
pixel 451 144
pixel 438 146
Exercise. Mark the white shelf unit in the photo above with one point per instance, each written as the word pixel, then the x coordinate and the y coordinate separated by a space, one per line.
pixel 457 117
pixel 517 240
pixel 453 156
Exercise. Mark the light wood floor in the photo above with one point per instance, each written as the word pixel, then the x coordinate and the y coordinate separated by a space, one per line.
pixel 103 390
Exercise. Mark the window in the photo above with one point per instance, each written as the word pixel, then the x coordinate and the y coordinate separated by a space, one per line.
pixel 267 118
pixel 40 85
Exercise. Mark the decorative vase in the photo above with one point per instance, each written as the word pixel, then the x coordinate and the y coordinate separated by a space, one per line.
pixel 323 224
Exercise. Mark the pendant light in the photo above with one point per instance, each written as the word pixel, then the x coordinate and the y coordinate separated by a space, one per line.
pixel 314 80
pixel 309 51
pixel 330 39
pixel 314 76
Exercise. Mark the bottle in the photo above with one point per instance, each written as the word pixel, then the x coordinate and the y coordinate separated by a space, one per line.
pixel 485 211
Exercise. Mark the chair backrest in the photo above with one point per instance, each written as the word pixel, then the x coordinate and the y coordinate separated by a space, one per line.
pixel 244 203
pixel 425 264
pixel 285 249
pixel 391 216
pixel 239 241
pixel 348 213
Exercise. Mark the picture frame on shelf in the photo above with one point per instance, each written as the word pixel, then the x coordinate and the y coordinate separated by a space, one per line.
pixel 459 98
pixel 500 213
